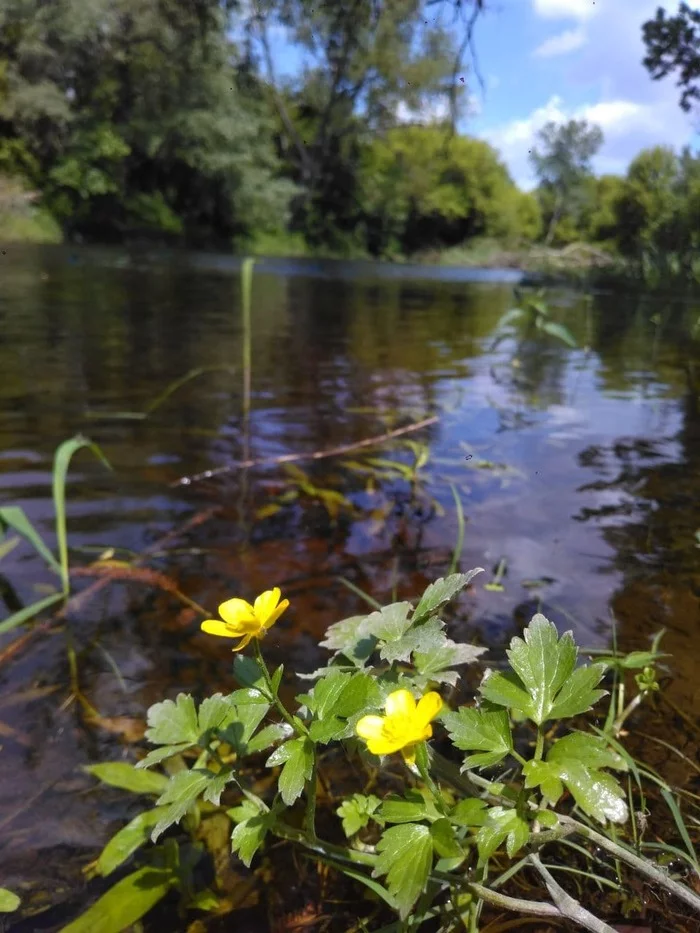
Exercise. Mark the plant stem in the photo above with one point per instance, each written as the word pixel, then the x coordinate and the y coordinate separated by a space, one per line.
pixel 422 763
pixel 311 801
pixel 641 865
pixel 539 747
pixel 293 721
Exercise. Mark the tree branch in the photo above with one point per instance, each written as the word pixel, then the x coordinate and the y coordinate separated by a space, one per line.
pixel 568 906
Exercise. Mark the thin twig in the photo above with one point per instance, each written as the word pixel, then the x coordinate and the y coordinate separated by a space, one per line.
pixel 312 455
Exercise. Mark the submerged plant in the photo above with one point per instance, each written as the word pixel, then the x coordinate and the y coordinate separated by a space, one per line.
pixel 532 317
pixel 437 840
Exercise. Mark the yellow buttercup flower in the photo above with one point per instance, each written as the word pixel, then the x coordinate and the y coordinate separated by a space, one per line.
pixel 241 620
pixel 405 725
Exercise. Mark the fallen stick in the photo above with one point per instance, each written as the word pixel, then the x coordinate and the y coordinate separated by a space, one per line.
pixel 313 455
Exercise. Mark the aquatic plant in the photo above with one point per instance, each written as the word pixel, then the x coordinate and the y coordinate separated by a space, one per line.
pixel 430 835
pixel 532 316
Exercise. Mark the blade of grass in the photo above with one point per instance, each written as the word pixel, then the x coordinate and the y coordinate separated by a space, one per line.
pixel 61 463
pixel 358 592
pixel 23 615
pixel 7 547
pixel 672 805
pixel 179 383
pixel 15 517
pixel 459 544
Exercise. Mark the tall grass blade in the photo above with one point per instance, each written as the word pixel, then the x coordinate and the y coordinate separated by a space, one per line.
pixel 459 544
pixel 23 615
pixel 672 805
pixel 61 462
pixel 179 383
pixel 13 516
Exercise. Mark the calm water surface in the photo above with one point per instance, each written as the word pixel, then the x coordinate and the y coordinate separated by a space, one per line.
pixel 583 481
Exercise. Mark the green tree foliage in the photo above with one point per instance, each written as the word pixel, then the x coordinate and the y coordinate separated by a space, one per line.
pixel 130 117
pixel 562 162
pixel 423 187
pixel 673 47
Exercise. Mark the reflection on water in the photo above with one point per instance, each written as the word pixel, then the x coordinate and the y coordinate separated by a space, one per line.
pixel 584 478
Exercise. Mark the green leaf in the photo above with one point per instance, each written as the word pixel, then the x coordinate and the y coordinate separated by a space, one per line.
pixel 249 835
pixel 344 635
pixel 440 592
pixel 275 732
pixel 28 612
pixel 329 730
pixel 544 684
pixel 297 757
pixel 444 839
pixel 355 812
pixel 408 809
pixel 469 812
pixel 575 761
pixel 129 838
pixel 13 516
pixel 422 638
pixel 389 623
pixel 125 903
pixel 405 857
pixel 248 672
pixel 181 794
pixel 242 723
pixel 502 824
pixel 326 693
pixel 8 901
pixel 213 712
pixel 173 722
pixel 128 777
pixel 559 331
pixel 160 754
pixel 434 662
pixel 215 786
pixel 480 730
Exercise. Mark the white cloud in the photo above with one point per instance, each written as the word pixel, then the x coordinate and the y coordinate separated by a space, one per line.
pixel 566 9
pixel 562 43
pixel 628 126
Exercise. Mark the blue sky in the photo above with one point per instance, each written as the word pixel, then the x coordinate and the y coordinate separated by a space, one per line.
pixel 546 60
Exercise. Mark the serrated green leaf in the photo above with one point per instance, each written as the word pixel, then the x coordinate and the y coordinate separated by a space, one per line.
pixel 422 638
pixel 128 777
pixel 355 812
pixel 216 784
pixel 444 839
pixel 502 824
pixel 249 835
pixel 276 732
pixel 326 693
pixel 543 684
pixel 129 838
pixel 248 672
pixel 434 660
pixel 486 731
pixel 344 635
pixel 578 694
pixel 405 857
pixel 160 754
pixel 592 750
pixel 297 757
pixel 241 723
pixel 396 809
pixel 469 812
pixel 543 775
pixel 597 793
pixel 547 818
pixel 389 623
pixel 8 901
pixel 173 722
pixel 182 792
pixel 440 592
pixel 125 903
pixel 214 711
pixel 329 730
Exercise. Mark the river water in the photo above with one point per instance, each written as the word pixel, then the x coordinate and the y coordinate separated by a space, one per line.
pixel 578 470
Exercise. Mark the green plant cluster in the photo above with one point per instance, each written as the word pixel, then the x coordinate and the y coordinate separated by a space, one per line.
pixel 427 850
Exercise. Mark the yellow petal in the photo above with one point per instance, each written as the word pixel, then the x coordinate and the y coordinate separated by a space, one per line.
pixel 370 727
pixel 383 746
pixel 266 602
pixel 217 627
pixel 236 611
pixel 268 623
pixel 242 643
pixel 428 707
pixel 400 703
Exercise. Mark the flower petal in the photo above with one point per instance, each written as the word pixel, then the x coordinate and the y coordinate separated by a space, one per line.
pixel 242 643
pixel 238 612
pixel 400 703
pixel 428 707
pixel 370 727
pixel 409 754
pixel 217 627
pixel 265 603
pixel 269 622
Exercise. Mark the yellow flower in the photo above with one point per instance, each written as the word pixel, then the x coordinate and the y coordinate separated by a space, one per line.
pixel 241 620
pixel 404 726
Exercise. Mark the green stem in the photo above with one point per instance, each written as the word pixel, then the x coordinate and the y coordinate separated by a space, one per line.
pixel 293 721
pixel 311 801
pixel 422 763
pixel 539 747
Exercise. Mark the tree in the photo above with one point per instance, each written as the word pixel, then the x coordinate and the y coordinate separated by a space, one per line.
pixel 562 162
pixel 422 187
pixel 133 118
pixel 673 46
pixel 649 208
